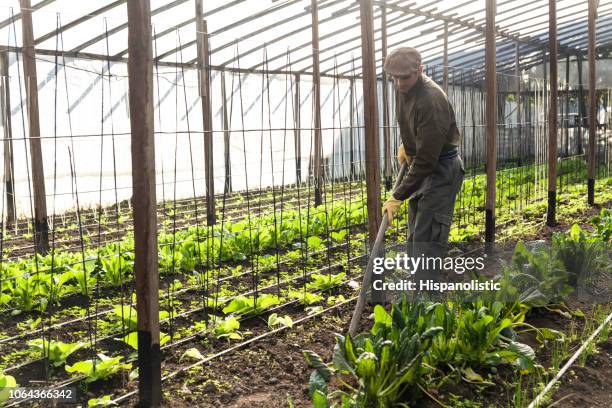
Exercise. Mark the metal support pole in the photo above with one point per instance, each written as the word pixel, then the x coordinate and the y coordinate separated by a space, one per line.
pixel 297 134
pixel 5 101
pixel 491 122
pixel 592 103
pixel 385 101
pixel 370 119
pixel 552 114
pixel 41 227
pixel 316 78
pixel 140 71
pixel 203 58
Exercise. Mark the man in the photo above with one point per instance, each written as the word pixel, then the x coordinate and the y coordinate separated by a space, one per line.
pixel 430 140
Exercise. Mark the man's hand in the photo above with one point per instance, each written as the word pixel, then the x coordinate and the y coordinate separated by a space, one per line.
pixel 391 206
pixel 402 157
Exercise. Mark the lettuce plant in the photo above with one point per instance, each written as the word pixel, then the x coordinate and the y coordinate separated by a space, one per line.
pixel 55 351
pixel 247 305
pixel 104 367
pixel 324 281
pixel 6 383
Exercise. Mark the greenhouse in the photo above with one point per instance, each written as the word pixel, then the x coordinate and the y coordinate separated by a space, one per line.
pixel 306 203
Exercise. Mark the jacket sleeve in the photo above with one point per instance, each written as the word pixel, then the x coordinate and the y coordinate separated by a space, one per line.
pixel 432 126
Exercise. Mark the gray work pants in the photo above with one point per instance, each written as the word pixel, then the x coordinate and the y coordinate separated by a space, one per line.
pixel 430 212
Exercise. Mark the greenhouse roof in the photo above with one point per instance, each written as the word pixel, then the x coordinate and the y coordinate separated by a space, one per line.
pixel 276 35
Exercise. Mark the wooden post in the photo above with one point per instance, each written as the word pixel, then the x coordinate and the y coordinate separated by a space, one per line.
pixel 41 227
pixel 581 106
pixel 545 75
pixel 519 116
pixel 297 134
pixel 203 55
pixel 592 103
pixel 370 111
pixel 385 100
pixel 316 81
pixel 491 123
pixel 5 105
pixel 370 118
pixel 445 58
pixel 352 130
pixel 140 71
pixel 226 138
pixel 567 80
pixel 552 114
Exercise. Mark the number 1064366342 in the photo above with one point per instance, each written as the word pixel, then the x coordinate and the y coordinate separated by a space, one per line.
pixel 65 394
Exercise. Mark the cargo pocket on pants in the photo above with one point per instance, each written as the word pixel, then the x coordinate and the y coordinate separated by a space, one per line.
pixel 440 228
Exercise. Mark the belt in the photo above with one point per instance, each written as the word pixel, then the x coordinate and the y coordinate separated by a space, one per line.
pixel 449 154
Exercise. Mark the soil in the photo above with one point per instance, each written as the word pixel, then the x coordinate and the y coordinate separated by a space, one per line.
pixel 267 374
pixel 272 371
pixel 588 386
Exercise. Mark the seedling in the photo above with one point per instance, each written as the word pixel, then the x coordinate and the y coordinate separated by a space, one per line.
pixel 274 320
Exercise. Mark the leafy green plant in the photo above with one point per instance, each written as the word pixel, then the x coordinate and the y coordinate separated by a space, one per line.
pixel 338 235
pixel 27 294
pixel 248 305
pixel 221 327
pixel 479 340
pixel 55 351
pixel 169 258
pixel 131 339
pixel 6 383
pixel 275 320
pixel 129 318
pixel 104 401
pixel 582 255
pixel 227 328
pixel 84 277
pixel 324 281
pixel 384 364
pixel 115 269
pixel 314 243
pixel 53 286
pixel 305 297
pixel 603 225
pixel 104 367
pixel 539 276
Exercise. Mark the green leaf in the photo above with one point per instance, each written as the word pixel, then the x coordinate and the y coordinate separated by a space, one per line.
pixel 545 333
pixel 192 353
pixel 317 363
pixel 471 375
pixel 319 399
pixel 381 317
pixel 104 401
pixel 366 365
pixel 6 382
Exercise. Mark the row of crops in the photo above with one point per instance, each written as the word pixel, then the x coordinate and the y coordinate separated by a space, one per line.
pixel 32 283
pixel 72 309
pixel 420 346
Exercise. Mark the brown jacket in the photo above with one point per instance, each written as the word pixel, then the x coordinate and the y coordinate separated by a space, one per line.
pixel 428 129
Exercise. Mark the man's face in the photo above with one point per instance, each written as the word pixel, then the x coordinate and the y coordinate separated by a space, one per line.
pixel 405 82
